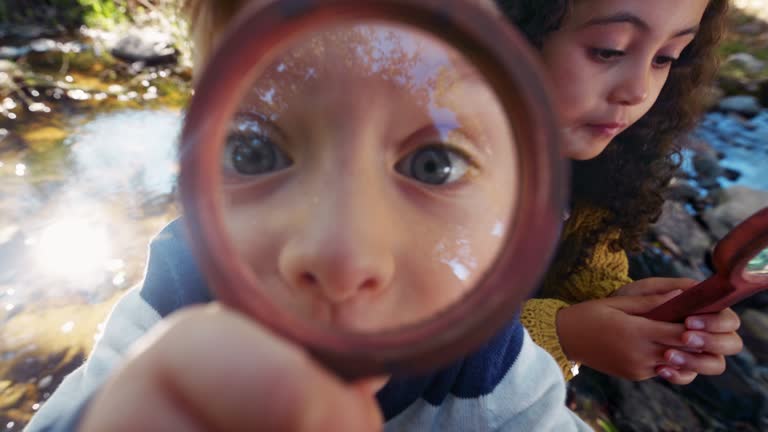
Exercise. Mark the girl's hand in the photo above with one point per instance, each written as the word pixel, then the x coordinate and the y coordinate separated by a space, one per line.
pixel 207 368
pixel 708 339
pixel 703 347
pixel 608 336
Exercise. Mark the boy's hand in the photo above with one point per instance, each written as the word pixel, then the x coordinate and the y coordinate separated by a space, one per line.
pixel 607 335
pixel 207 368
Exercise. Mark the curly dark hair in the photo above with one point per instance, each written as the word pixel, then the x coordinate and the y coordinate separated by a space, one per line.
pixel 629 178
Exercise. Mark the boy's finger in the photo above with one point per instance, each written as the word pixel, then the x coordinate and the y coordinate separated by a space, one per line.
pixel 253 380
pixel 725 321
pixel 675 376
pixel 703 363
pixel 714 343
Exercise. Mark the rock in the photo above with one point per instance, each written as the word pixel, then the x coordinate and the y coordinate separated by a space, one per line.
pixel 747 61
pixel 731 85
pixel 681 191
pixel 754 332
pixel 35 354
pixel 676 225
pixel 12 52
pixel 733 206
pixel 713 96
pixel 762 92
pixel 146 46
pixel 43 45
pixel 706 163
pixel 11 141
pixel 652 406
pixel 734 400
pixel 746 105
pixel 651 262
pixel 655 262
pixel 731 174
pixel 44 382
pixel 638 406
pixel 9 67
pixel 752 28
pixel 26 32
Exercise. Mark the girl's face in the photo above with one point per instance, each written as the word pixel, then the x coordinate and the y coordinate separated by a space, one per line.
pixel 609 62
pixel 368 177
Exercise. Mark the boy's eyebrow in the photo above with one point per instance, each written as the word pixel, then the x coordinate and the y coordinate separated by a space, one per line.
pixel 628 17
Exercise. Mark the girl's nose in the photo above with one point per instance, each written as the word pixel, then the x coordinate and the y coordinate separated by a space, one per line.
pixel 344 250
pixel 632 89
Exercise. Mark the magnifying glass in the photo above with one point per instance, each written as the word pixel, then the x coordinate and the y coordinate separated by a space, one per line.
pixel 741 263
pixel 378 181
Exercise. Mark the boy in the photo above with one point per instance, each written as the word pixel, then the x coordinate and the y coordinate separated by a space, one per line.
pixel 173 359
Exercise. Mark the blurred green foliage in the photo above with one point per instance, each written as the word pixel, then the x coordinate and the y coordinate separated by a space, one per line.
pixel 74 13
pixel 737 41
pixel 103 13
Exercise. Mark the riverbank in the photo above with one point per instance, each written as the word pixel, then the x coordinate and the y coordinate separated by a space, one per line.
pixel 87 130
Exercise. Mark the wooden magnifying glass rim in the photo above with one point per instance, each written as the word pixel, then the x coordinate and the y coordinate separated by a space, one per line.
pixel 498 52
pixel 730 283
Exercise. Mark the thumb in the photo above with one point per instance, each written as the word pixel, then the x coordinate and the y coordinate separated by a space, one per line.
pixel 651 286
pixel 641 304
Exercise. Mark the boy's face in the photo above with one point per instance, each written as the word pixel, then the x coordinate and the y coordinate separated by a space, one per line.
pixel 368 177
pixel 609 62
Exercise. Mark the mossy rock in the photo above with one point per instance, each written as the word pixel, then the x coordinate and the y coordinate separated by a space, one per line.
pixel 43 139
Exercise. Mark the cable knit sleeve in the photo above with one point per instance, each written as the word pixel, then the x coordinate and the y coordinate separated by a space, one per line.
pixel 601 274
pixel 539 317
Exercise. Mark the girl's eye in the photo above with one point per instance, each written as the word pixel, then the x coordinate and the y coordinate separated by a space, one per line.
pixel 605 54
pixel 663 61
pixel 434 165
pixel 250 153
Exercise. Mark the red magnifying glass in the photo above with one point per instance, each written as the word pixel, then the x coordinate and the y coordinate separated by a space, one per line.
pixel 741 270
pixel 377 181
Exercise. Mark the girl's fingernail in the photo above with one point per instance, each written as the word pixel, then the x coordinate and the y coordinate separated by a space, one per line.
pixel 676 359
pixel 695 324
pixel 695 341
pixel 665 373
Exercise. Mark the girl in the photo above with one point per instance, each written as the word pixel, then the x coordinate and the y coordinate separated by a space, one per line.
pixel 630 76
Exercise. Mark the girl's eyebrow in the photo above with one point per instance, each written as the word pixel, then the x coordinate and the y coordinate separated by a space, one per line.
pixel 628 17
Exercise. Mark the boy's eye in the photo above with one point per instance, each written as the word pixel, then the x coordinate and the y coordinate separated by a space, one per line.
pixel 251 154
pixel 605 54
pixel 434 165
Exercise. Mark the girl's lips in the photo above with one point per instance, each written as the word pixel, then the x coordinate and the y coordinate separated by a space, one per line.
pixel 605 129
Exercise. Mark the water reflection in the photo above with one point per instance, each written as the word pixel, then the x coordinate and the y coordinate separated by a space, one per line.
pixel 741 142
pixel 758 266
pixel 76 217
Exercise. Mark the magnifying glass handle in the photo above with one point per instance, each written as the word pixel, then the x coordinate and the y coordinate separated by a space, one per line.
pixel 692 301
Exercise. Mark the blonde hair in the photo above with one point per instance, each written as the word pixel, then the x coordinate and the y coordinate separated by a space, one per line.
pixel 208 18
pixel 207 21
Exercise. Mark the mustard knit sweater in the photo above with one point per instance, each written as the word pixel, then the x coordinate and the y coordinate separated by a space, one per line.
pixel 603 272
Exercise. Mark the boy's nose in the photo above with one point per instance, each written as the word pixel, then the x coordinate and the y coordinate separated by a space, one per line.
pixel 336 274
pixel 344 249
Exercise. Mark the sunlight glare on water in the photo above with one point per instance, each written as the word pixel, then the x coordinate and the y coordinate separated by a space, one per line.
pixel 73 249
pixel 79 219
